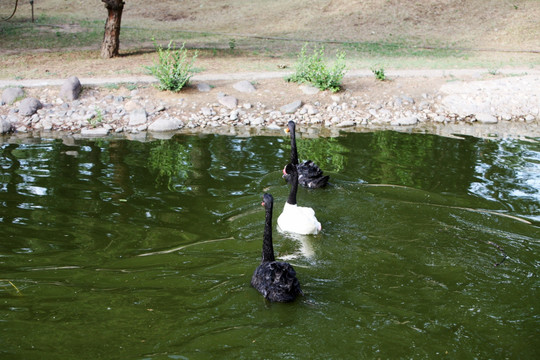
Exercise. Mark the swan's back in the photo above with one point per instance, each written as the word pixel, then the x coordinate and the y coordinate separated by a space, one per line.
pixel 309 175
pixel 276 281
pixel 299 220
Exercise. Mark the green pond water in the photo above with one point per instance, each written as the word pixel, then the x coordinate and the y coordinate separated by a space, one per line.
pixel 115 249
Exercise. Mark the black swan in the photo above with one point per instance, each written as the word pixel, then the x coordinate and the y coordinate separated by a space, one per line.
pixel 297 219
pixel 275 280
pixel 309 174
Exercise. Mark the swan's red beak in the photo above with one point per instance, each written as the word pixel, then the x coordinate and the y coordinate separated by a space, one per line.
pixel 262 203
pixel 284 172
pixel 287 130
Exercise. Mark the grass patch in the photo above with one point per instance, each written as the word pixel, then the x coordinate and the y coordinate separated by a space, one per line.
pixel 403 49
pixel 97 119
pixel 51 33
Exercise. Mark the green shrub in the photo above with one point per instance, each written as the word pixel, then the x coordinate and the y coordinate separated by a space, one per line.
pixel 173 70
pixel 232 44
pixel 314 70
pixel 379 73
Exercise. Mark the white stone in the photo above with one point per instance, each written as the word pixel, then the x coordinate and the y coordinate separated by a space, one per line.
pixel 486 118
pixel 165 124
pixel 529 118
pixel 346 123
pixel 257 121
pixel 137 117
pixel 94 132
pixel 273 126
pixel 404 121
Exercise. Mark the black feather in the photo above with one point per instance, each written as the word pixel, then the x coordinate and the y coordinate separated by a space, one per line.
pixel 309 174
pixel 275 280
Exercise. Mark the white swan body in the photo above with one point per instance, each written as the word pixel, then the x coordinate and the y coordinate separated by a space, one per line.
pixel 299 220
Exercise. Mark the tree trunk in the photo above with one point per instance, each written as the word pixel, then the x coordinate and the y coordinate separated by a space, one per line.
pixel 111 38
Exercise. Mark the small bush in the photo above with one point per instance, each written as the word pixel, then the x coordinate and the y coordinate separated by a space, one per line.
pixel 232 44
pixel 379 73
pixel 314 70
pixel 173 70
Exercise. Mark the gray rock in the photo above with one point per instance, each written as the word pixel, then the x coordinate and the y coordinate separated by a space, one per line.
pixel 206 111
pixel 5 126
pixel 291 108
pixel 244 86
pixel 256 122
pixel 165 124
pixel 486 118
pixel 311 110
pixel 228 101
pixel 404 121
pixel 46 124
pixel 94 132
pixel 131 105
pixel 71 88
pixel 137 117
pixel 407 99
pixel 10 95
pixel 204 87
pixel 309 90
pixel 29 106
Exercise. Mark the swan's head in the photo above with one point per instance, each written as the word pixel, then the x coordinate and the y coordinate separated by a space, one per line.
pixel 289 169
pixel 290 126
pixel 268 201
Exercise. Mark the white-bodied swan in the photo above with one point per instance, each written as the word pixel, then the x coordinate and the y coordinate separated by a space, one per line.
pixel 297 219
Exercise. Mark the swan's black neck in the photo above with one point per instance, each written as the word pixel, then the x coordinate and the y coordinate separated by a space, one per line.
pixel 294 152
pixel 268 247
pixel 294 185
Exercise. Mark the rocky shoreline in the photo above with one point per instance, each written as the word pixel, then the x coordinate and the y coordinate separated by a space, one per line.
pixel 501 106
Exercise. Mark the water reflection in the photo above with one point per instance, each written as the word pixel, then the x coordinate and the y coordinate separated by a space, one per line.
pixel 517 166
pixel 145 250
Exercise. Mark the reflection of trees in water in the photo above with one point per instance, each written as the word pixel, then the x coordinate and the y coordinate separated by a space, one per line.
pixel 9 177
pixel 169 160
pixel 422 161
pixel 328 153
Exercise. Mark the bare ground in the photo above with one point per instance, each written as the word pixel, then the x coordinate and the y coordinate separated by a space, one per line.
pixel 503 33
